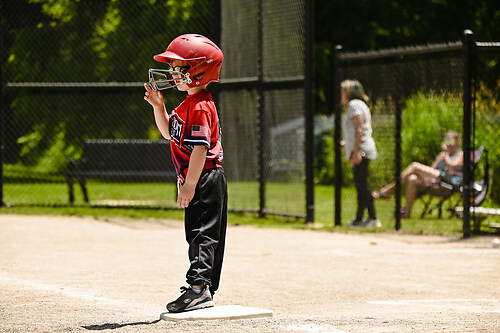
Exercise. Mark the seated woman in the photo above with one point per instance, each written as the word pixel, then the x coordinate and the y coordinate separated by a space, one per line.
pixel 417 177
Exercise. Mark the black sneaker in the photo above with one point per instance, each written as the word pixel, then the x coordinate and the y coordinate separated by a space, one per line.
pixel 189 300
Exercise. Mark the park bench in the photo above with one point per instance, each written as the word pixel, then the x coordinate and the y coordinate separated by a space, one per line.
pixel 121 160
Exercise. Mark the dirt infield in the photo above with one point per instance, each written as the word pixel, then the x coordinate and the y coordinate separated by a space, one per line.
pixel 69 274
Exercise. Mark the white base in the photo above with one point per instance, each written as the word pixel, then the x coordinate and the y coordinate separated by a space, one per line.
pixel 219 312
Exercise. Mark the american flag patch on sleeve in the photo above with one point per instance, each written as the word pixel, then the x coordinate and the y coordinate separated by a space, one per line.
pixel 197 130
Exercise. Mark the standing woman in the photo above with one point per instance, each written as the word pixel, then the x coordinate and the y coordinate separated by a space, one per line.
pixel 359 148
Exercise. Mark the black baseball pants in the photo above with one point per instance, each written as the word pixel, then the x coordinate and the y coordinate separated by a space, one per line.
pixel 205 223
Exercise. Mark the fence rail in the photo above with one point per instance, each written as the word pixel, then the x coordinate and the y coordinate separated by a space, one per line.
pixel 408 50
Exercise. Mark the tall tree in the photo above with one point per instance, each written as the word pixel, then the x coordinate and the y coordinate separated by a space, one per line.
pixel 360 25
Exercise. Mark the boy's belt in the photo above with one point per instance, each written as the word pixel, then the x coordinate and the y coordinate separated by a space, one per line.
pixel 211 164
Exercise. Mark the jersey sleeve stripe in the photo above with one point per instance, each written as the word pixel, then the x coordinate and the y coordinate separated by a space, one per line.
pixel 197 142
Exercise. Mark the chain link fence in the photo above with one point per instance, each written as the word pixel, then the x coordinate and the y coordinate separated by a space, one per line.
pixel 264 126
pixel 417 95
pixel 73 72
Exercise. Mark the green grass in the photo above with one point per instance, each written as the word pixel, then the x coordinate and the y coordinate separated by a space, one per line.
pixel 158 201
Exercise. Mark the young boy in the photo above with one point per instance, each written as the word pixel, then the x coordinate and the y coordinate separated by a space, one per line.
pixel 193 62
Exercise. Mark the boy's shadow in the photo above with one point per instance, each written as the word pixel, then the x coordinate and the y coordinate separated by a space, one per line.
pixel 113 326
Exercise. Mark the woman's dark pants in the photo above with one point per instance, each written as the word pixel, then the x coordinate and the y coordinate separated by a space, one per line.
pixel 365 199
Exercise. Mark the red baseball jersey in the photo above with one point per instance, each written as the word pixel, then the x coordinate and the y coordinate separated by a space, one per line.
pixel 195 122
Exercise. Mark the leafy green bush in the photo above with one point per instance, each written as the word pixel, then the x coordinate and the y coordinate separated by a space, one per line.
pixel 50 160
pixel 324 160
pixel 324 163
pixel 426 118
pixel 487 128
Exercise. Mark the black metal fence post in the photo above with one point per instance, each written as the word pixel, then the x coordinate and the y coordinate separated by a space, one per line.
pixel 261 117
pixel 309 110
pixel 397 138
pixel 2 128
pixel 467 49
pixel 2 113
pixel 217 38
pixel 337 137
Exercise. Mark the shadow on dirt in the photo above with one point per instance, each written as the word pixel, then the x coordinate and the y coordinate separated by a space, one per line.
pixel 114 326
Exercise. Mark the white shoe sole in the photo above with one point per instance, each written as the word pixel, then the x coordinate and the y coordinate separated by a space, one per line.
pixel 208 304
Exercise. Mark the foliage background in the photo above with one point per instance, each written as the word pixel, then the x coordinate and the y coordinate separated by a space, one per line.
pixel 361 25
pixel 84 41
pixel 55 40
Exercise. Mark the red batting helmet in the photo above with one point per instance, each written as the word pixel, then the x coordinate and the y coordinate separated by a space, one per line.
pixel 203 56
